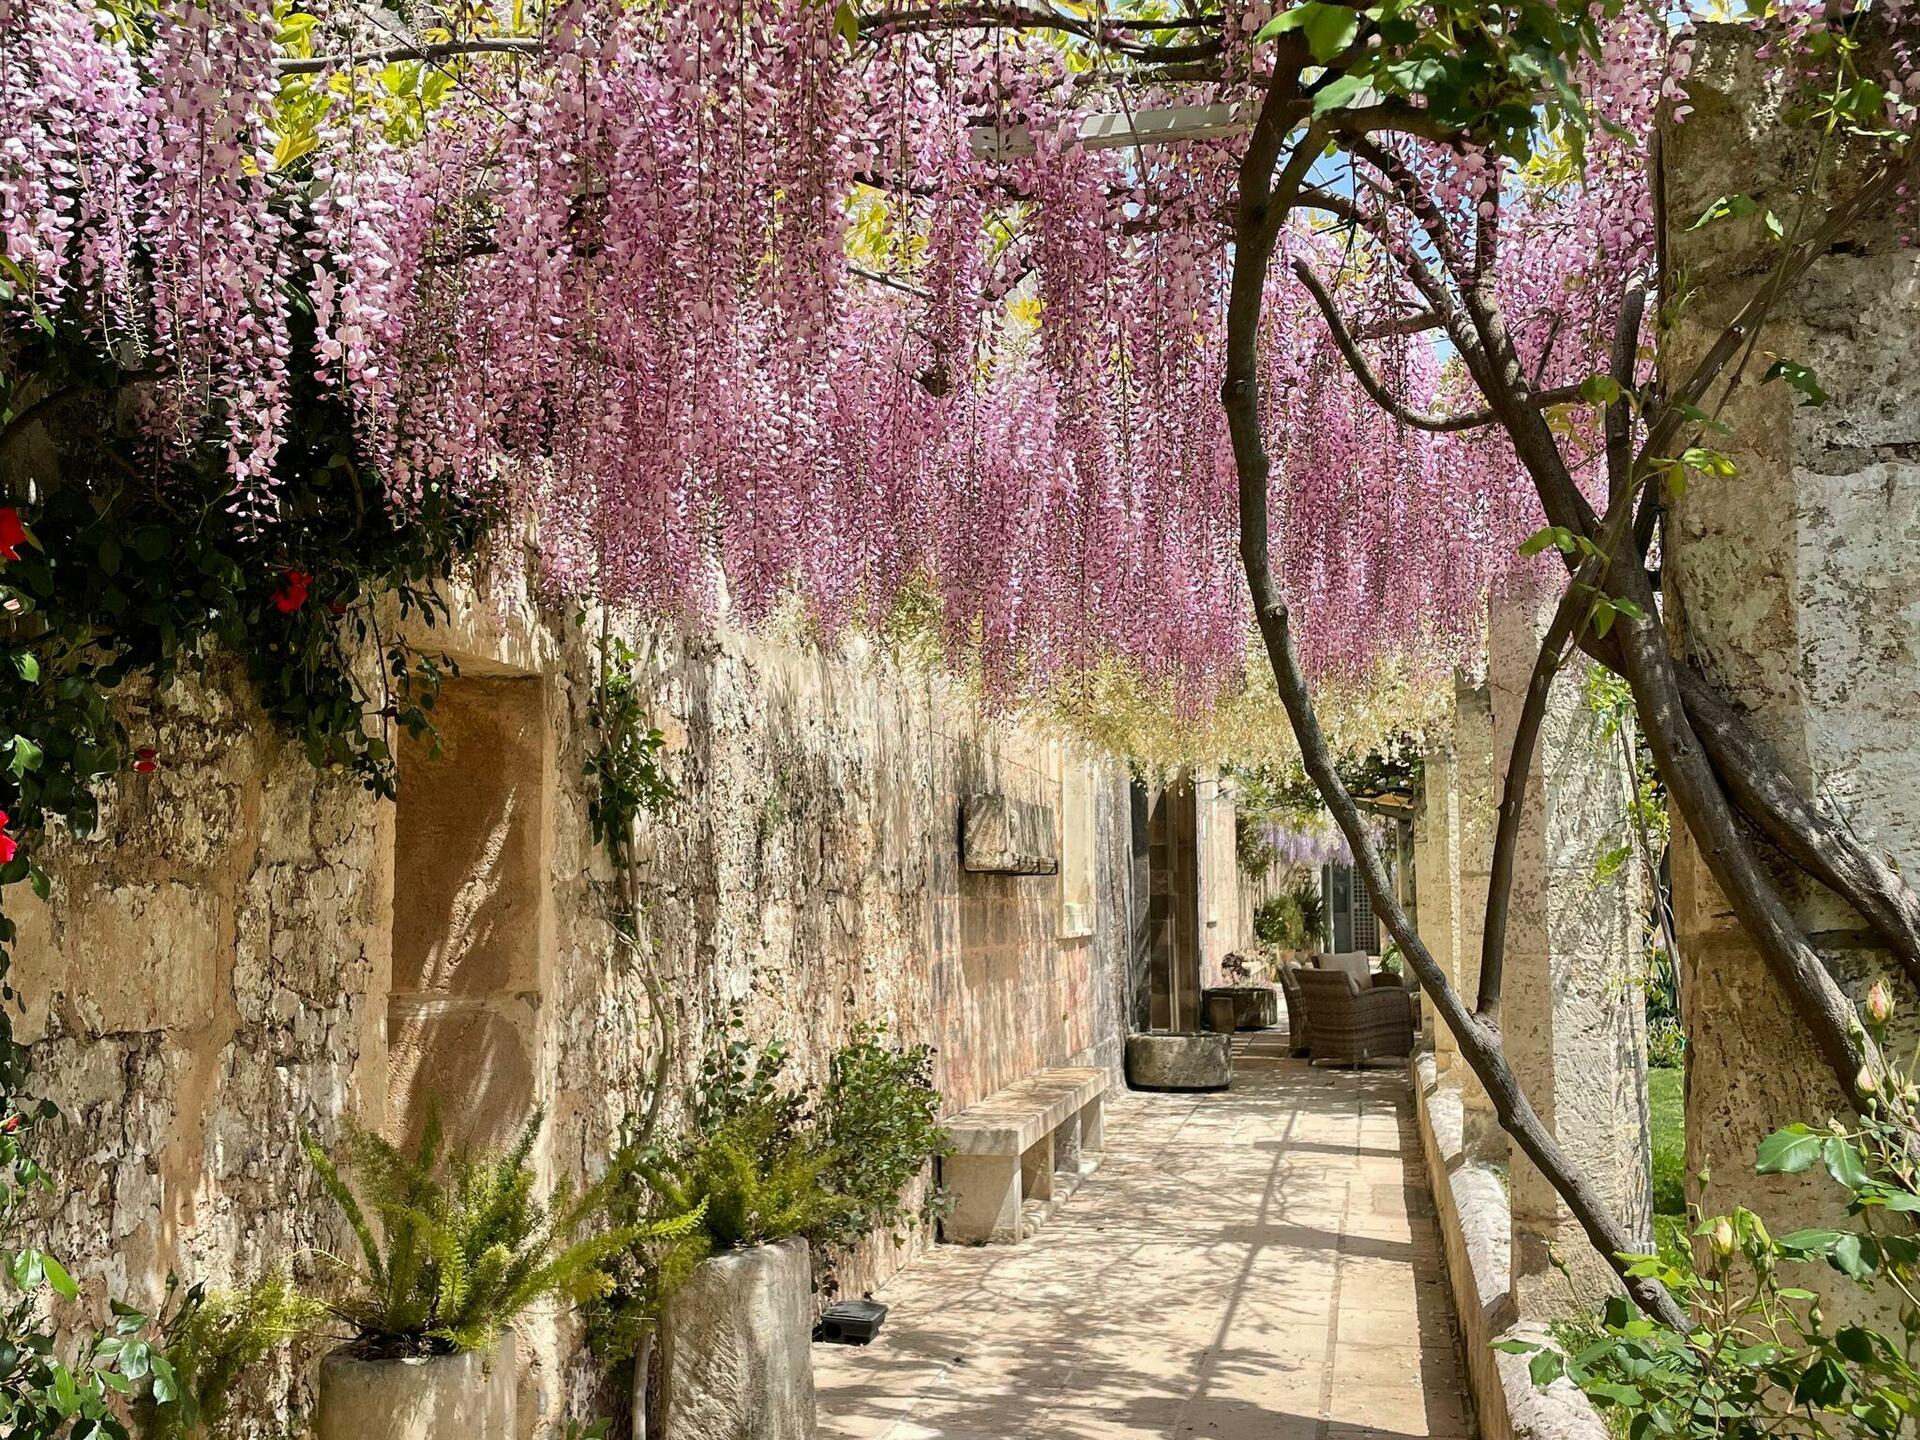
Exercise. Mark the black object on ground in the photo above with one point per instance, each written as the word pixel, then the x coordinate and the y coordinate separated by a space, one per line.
pixel 850 1322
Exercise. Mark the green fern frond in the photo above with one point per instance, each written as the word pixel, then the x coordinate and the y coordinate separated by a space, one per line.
pixel 343 1196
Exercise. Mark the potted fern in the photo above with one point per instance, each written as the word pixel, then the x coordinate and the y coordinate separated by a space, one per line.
pixel 734 1214
pixel 452 1247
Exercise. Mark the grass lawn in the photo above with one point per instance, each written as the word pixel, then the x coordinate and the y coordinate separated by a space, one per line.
pixel 1668 1121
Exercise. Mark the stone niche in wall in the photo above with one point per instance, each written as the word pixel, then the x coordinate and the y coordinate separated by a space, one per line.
pixel 1003 836
pixel 471 923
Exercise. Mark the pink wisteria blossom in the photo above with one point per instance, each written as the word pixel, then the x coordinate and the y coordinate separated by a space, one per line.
pixel 618 286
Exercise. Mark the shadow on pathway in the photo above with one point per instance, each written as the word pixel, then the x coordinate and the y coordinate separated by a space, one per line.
pixel 1259 1263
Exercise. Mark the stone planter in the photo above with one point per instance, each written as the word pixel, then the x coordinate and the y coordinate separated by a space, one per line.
pixel 436 1397
pixel 1179 1062
pixel 1218 1013
pixel 1255 1007
pixel 736 1349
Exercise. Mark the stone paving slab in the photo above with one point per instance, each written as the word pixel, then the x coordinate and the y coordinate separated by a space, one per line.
pixel 1260 1262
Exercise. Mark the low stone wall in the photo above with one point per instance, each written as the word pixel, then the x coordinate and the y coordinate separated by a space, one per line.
pixel 1476 1226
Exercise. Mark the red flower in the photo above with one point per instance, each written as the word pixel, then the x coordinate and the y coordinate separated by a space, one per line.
pixel 145 760
pixel 8 845
pixel 292 593
pixel 12 534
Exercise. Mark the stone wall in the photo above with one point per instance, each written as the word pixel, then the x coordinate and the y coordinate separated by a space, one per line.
pixel 250 947
pixel 1795 588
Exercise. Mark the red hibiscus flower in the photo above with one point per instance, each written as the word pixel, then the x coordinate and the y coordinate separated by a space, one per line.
pixel 146 760
pixel 12 534
pixel 8 845
pixel 292 593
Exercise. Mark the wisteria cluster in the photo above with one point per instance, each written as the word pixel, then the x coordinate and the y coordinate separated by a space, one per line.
pixel 733 307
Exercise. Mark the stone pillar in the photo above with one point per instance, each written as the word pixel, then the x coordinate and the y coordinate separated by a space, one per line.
pixel 1572 1006
pixel 1795 588
pixel 1476 799
pixel 1436 861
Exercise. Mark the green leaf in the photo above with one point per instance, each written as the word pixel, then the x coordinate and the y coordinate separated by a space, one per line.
pixel 1558 536
pixel 1726 207
pixel 1807 1244
pixel 1788 1151
pixel 846 23
pixel 1799 377
pixel 25 755
pixel 1329 29
pixel 1600 390
pixel 1338 94
pixel 1854 1255
pixel 1844 1163
pixel 1822 1384
pixel 27 667
pixel 59 1279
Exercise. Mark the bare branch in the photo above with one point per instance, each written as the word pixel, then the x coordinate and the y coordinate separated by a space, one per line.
pixel 439 50
pixel 1384 398
pixel 1109 32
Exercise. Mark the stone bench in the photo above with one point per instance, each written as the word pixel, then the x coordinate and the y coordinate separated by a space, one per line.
pixel 1028 1143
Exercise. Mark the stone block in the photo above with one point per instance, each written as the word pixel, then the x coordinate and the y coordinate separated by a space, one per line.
pixel 736 1348
pixel 984 1193
pixel 473 1065
pixel 137 957
pixel 1179 1062
pixel 1003 836
pixel 471 863
pixel 439 1397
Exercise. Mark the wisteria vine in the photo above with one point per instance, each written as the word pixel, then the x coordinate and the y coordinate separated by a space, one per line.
pixel 735 304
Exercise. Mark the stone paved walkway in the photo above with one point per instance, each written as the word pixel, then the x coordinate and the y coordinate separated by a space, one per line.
pixel 1259 1263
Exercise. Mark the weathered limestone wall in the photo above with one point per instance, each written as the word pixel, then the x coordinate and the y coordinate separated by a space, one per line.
pixel 1572 998
pixel 250 948
pixel 1795 587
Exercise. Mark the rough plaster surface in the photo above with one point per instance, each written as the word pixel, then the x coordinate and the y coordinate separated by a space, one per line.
pixel 736 1348
pixel 1796 588
pixel 216 969
pixel 1572 1009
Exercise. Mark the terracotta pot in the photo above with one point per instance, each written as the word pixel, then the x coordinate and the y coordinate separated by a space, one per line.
pixel 435 1397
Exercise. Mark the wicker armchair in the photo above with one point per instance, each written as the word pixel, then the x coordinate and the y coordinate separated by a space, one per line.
pixel 1349 1024
pixel 1297 1042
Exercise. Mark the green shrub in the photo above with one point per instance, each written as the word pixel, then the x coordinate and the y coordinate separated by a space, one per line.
pixel 464 1245
pixel 1292 920
pixel 208 1339
pixel 880 1115
pixel 1759 1357
pixel 761 1164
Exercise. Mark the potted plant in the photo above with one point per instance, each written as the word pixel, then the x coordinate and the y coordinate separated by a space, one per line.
pixel 452 1247
pixel 735 1213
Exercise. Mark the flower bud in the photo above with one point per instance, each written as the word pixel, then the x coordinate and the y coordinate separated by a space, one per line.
pixel 1722 1238
pixel 1879 1003
pixel 1864 1081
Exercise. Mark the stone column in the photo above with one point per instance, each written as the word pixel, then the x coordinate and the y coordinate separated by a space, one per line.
pixel 1436 863
pixel 1476 799
pixel 1572 1006
pixel 1795 588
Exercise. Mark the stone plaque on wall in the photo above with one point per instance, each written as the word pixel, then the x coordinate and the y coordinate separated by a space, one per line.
pixel 1003 836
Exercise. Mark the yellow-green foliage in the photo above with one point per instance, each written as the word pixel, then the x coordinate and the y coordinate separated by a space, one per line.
pixel 463 1244
pixel 208 1339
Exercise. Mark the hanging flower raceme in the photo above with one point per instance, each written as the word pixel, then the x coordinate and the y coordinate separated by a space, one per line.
pixel 730 314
